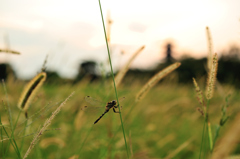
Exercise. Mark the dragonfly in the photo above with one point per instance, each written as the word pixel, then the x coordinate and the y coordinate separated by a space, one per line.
pixel 110 105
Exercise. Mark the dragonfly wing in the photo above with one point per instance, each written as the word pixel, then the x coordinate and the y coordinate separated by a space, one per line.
pixel 93 101
pixel 92 109
pixel 121 99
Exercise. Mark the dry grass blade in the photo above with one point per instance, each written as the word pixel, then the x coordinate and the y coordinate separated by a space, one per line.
pixel 165 140
pixel 179 149
pixel 45 125
pixel 9 51
pixel 124 70
pixel 74 157
pixel 30 91
pixel 155 79
pixel 130 144
pixel 212 77
pixel 229 141
pixel 210 48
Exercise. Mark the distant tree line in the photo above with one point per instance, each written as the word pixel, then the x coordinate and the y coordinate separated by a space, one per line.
pixel 228 70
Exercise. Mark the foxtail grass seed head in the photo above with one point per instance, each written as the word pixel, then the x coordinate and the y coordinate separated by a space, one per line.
pixel 9 51
pixel 210 48
pixel 212 77
pixel 30 91
pixel 199 93
pixel 45 125
pixel 124 70
pixel 155 79
pixel 200 111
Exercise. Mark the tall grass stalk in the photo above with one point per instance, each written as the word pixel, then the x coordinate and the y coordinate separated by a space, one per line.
pixel 153 81
pixel 8 106
pixel 45 125
pixel 80 148
pixel 209 93
pixel 12 141
pixel 1 133
pixel 110 62
pixel 179 149
pixel 124 70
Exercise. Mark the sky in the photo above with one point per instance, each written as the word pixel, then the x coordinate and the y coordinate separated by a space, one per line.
pixel 71 32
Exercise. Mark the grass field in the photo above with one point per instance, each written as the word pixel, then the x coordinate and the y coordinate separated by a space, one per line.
pixel 165 124
pixel 157 120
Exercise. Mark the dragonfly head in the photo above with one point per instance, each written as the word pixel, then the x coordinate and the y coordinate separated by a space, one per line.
pixel 114 102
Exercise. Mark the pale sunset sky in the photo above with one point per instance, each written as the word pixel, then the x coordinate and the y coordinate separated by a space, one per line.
pixel 71 32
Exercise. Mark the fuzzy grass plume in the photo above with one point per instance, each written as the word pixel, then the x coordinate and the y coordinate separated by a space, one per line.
pixel 155 79
pixel 210 48
pixel 10 51
pixel 199 97
pixel 30 91
pixel 45 125
pixel 199 93
pixel 212 77
pixel 124 70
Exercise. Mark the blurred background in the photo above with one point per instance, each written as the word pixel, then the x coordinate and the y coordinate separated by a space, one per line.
pixel 71 34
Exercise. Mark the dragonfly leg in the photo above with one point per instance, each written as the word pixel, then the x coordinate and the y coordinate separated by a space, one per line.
pixel 115 111
pixel 116 106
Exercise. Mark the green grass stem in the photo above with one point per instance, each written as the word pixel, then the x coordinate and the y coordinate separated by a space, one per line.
pixel 22 142
pixel 79 150
pixel 14 144
pixel 210 136
pixel 8 106
pixel 203 132
pixel 110 62
pixel 1 133
pixel 204 127
pixel 12 140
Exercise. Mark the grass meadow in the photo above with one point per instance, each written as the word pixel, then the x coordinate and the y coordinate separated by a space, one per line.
pixel 166 119
pixel 164 124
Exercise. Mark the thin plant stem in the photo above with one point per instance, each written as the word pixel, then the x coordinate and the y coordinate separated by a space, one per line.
pixel 210 136
pixel 18 150
pixel 8 106
pixel 204 125
pixel 209 127
pixel 22 142
pixel 216 135
pixel 203 132
pixel 110 62
pixel 1 132
pixel 12 136
pixel 79 150
pixel 12 141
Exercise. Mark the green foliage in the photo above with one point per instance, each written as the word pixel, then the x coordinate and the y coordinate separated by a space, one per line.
pixel 159 124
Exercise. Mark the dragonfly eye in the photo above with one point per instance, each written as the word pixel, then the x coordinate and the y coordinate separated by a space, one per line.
pixel 114 102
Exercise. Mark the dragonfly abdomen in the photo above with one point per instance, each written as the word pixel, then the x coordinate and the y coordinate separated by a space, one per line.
pixel 101 116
